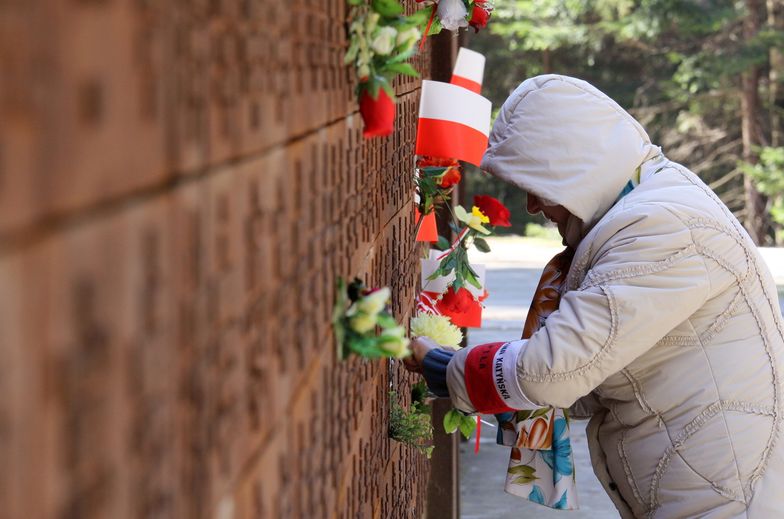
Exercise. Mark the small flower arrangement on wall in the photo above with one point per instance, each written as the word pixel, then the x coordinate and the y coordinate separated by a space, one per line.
pixel 485 211
pixel 415 426
pixel 358 313
pixel 454 14
pixel 381 40
pixel 435 180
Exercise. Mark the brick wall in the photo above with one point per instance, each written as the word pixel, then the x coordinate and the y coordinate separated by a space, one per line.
pixel 180 184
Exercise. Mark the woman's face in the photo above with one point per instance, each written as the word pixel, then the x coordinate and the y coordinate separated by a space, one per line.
pixel 557 214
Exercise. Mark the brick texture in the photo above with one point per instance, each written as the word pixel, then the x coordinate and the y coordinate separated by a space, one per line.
pixel 181 183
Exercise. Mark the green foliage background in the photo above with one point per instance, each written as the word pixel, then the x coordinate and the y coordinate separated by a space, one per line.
pixel 676 65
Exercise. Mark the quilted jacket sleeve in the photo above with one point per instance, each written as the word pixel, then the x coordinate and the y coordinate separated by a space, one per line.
pixel 645 277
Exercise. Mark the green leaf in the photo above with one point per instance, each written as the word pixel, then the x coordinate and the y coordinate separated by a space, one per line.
pixel 522 470
pixel 452 420
pixel 481 244
pixel 402 68
pixel 433 171
pixel 373 86
pixel 386 321
pixel 435 28
pixel 387 8
pixel 471 278
pixel 467 425
pixel 523 415
pixel 400 57
pixel 442 243
pixel 418 393
pixel 420 17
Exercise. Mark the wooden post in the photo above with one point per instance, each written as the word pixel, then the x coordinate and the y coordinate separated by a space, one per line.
pixel 443 491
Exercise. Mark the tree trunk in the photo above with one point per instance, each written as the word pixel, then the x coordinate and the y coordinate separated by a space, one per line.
pixel 776 93
pixel 547 66
pixel 756 220
pixel 776 74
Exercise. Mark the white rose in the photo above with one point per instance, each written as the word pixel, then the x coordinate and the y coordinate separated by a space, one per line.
pixel 452 14
pixel 384 42
pixel 374 302
pixel 408 38
pixel 362 322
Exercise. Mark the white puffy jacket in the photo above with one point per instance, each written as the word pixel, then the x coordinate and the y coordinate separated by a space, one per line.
pixel 669 333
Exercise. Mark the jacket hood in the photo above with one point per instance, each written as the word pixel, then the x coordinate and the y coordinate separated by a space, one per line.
pixel 563 140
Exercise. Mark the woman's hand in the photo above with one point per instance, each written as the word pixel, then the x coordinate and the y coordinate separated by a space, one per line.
pixel 420 346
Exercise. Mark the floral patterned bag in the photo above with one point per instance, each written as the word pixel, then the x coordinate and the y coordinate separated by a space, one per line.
pixel 541 468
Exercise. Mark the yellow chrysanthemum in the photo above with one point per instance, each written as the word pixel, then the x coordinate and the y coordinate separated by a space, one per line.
pixel 438 328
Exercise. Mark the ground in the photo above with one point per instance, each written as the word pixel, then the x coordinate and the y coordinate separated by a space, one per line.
pixel 513 267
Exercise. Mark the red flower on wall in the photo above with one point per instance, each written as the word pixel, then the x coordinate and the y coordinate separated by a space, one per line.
pixel 427 161
pixel 493 209
pixel 480 15
pixel 457 302
pixel 451 177
pixel 378 114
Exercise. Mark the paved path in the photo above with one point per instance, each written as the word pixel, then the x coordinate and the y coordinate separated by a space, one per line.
pixel 514 266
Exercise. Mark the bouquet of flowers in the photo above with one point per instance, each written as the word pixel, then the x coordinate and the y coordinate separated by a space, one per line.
pixel 414 426
pixel 435 180
pixel 453 14
pixel 381 40
pixel 358 313
pixel 485 211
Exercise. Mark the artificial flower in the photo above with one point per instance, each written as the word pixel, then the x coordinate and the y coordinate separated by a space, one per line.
pixel 407 38
pixel 374 301
pixel 451 177
pixel 437 327
pixel 473 220
pixel 384 40
pixel 427 161
pixel 394 342
pixel 497 212
pixel 371 22
pixel 480 15
pixel 452 14
pixel 362 322
pixel 377 114
pixel 457 302
pixel 363 71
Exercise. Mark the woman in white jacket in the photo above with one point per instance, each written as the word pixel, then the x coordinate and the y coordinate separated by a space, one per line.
pixel 668 335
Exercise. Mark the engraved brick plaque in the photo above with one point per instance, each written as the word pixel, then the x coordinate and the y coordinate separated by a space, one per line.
pixel 181 183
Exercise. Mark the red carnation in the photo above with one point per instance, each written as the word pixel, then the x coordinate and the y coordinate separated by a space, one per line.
pixel 451 177
pixel 457 303
pixel 479 16
pixel 428 161
pixel 493 209
pixel 378 114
